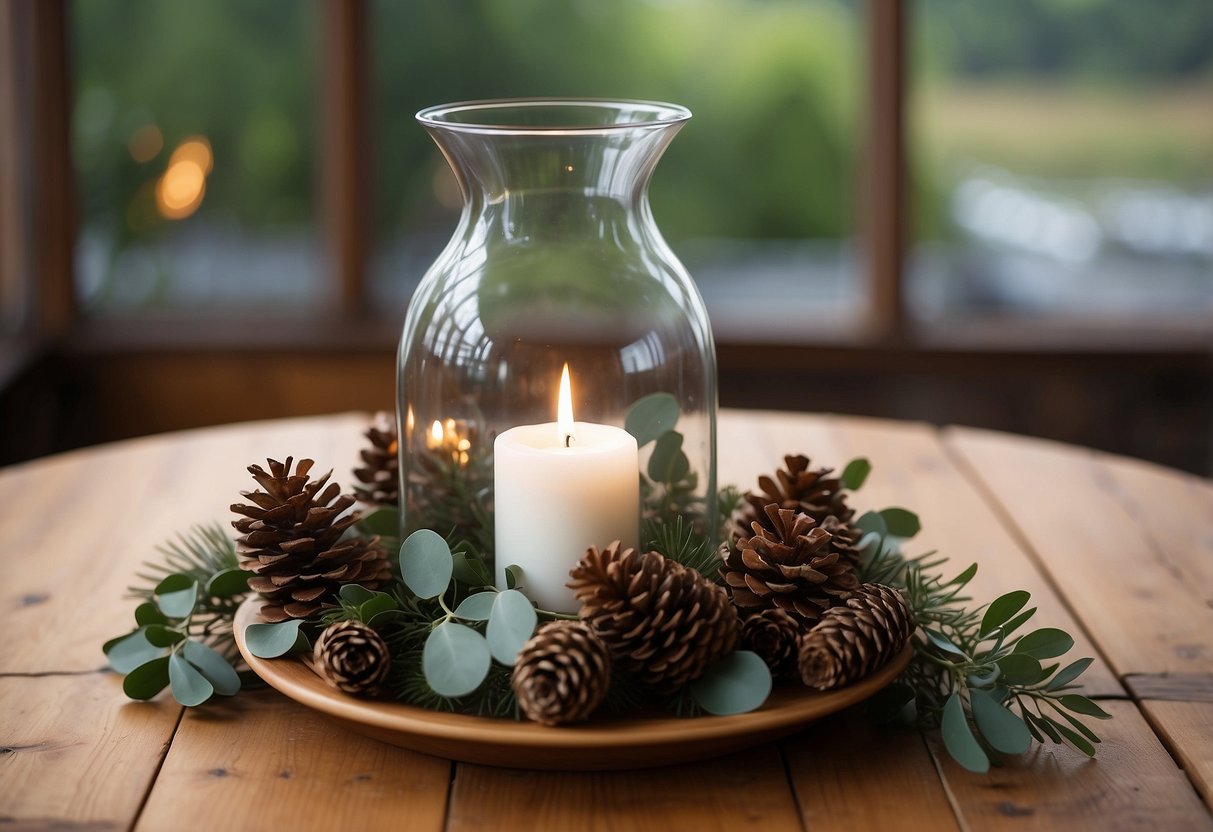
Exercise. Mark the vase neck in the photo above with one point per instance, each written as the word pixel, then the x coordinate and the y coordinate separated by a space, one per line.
pixel 502 151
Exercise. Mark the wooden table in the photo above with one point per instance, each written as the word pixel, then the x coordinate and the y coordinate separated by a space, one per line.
pixel 1118 552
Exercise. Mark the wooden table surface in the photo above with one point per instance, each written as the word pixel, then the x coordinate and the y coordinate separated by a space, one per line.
pixel 1118 552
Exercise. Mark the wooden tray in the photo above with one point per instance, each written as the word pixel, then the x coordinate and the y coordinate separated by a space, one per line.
pixel 610 743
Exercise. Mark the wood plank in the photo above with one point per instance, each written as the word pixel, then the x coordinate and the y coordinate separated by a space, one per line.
pixel 747 790
pixel 849 774
pixel 75 528
pixel 1187 729
pixel 261 761
pixel 1175 687
pixel 75 752
pixel 1144 616
pixel 912 469
pixel 1131 784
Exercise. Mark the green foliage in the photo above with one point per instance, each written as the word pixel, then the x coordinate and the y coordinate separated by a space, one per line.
pixel 736 684
pixel 972 674
pixel 678 540
pixel 856 473
pixel 651 417
pixel 183 636
pixel 269 641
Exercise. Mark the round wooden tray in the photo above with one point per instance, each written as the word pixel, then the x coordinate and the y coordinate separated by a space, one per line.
pixel 625 742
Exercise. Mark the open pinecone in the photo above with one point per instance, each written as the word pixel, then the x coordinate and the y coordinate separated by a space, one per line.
pixel 663 623
pixel 290 537
pixel 791 567
pixel 775 636
pixel 352 657
pixel 854 639
pixel 795 487
pixel 562 674
pixel 380 473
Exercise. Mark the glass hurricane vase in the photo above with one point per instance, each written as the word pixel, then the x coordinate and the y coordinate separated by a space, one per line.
pixel 556 261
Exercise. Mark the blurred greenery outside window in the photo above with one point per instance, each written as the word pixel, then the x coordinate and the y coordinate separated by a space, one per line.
pixel 194 135
pixel 1062 152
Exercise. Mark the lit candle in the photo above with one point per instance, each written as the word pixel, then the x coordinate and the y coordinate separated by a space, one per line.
pixel 559 488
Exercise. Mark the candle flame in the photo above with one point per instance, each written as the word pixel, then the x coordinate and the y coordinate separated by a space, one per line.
pixel 436 433
pixel 564 410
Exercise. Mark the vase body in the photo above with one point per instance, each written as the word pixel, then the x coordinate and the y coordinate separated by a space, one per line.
pixel 556 260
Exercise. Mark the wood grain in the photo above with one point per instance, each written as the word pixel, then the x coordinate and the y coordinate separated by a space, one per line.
pixel 75 752
pixel 259 761
pixel 1131 784
pixel 1145 616
pixel 1176 687
pixel 849 774
pixel 748 790
pixel 1187 729
pixel 76 527
pixel 912 469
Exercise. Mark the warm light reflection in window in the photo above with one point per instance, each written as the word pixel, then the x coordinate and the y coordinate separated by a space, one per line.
pixel 179 192
pixel 145 143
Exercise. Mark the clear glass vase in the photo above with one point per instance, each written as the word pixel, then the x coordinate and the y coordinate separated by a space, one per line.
pixel 556 261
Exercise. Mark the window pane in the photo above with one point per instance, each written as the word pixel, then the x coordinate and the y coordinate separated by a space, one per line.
pixel 1064 158
pixel 194 140
pixel 756 194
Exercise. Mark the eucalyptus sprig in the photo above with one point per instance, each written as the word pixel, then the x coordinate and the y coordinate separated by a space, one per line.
pixel 973 675
pixel 183 636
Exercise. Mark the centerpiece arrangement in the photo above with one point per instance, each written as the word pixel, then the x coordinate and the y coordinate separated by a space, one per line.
pixel 546 537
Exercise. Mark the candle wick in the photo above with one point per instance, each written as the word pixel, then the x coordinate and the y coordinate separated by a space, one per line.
pixel 568 440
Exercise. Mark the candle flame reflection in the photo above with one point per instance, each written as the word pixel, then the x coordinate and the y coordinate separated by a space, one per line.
pixel 564 410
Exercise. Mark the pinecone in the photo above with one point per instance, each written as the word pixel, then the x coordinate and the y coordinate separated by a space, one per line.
pixel 791 568
pixel 380 474
pixel 663 623
pixel 844 539
pixel 775 636
pixel 814 493
pixel 351 657
pixel 854 639
pixel 290 537
pixel 562 674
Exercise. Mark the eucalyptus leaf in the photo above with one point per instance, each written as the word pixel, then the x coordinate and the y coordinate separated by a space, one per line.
pixel 1019 669
pixel 177 603
pixel 1045 726
pixel 470 570
pixel 872 522
pixel 1080 728
pixel 668 463
pixel 269 641
pixel 901 522
pixel 476 607
pixel 1001 610
pixel 146 680
pixel 512 622
pixel 227 583
pixel 986 678
pixel 425 563
pixel 1082 705
pixel 149 613
pixel 965 576
pixel 109 645
pixel 133 651
pixel 190 687
pixel 1045 643
pixel 736 684
pixel 856 472
pixel 1018 621
pixel 1069 673
pixel 377 603
pixel 455 659
pixel 174 583
pixel 1003 730
pixel 355 595
pixel 513 576
pixel 942 642
pixel 384 522
pixel 1077 740
pixel 162 636
pixel 213 666
pixel 959 740
pixel 651 416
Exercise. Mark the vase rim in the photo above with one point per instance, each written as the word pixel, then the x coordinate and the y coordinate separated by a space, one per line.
pixel 552 116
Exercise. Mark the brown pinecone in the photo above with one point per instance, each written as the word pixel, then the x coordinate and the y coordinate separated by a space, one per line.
pixel 351 657
pixel 380 474
pixel 855 638
pixel 775 636
pixel 663 623
pixel 844 539
pixel 290 537
pixel 562 674
pixel 791 567
pixel 795 487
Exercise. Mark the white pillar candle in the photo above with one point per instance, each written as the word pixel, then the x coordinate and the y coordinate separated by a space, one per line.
pixel 559 488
